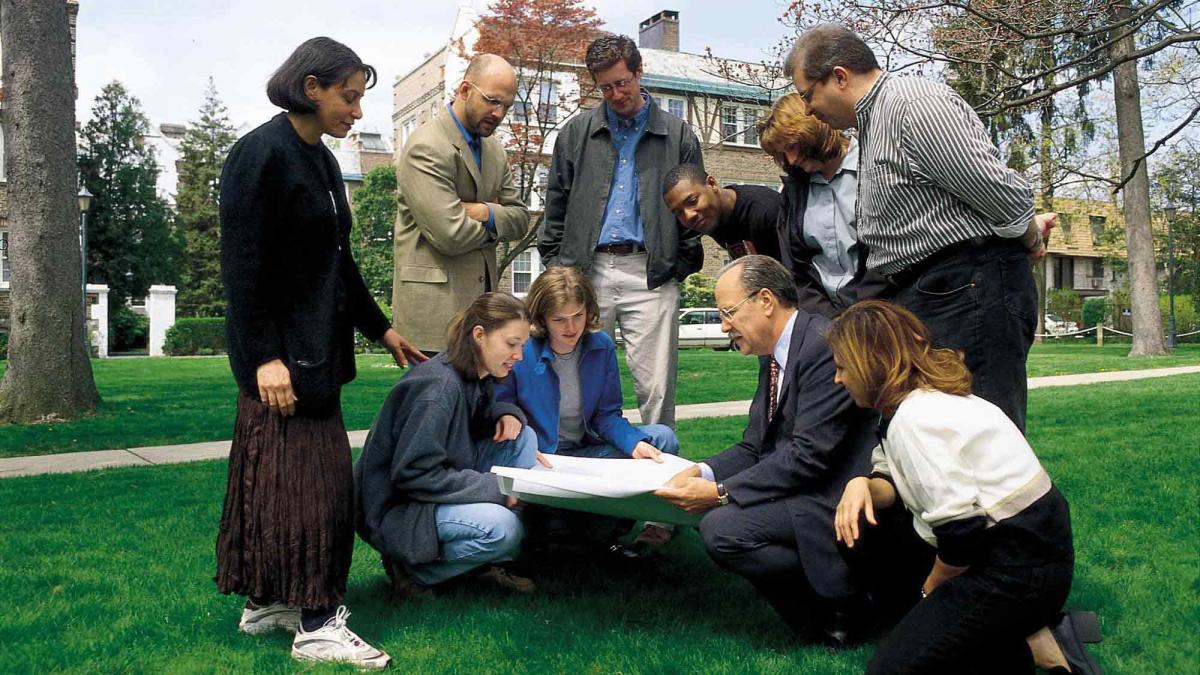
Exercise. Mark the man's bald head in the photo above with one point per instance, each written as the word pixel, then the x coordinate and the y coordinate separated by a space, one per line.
pixel 487 91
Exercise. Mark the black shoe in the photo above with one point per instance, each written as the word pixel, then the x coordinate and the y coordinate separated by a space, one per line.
pixel 838 630
pixel 403 585
pixel 623 554
pixel 1071 632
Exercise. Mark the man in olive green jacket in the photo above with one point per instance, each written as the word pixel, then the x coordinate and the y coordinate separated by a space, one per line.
pixel 457 200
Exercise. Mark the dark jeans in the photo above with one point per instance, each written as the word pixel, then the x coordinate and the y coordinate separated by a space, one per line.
pixel 980 298
pixel 977 622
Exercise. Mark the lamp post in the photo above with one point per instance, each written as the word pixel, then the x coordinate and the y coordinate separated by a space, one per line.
pixel 85 202
pixel 1169 210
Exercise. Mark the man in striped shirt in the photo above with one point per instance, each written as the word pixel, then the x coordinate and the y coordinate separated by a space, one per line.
pixel 943 218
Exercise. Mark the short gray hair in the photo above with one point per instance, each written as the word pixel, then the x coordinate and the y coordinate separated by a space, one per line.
pixel 759 272
pixel 821 49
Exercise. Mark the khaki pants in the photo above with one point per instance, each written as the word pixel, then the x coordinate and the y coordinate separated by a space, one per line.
pixel 649 326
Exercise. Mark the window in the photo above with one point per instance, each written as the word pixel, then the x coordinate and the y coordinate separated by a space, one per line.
pixel 737 125
pixel 1098 225
pixel 692 319
pixel 547 109
pixel 1098 268
pixel 526 267
pixel 675 106
pixel 5 270
pixel 1064 272
pixel 406 128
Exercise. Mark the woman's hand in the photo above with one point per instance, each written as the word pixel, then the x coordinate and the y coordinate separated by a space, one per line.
pixel 275 387
pixel 856 499
pixel 402 350
pixel 507 429
pixel 644 450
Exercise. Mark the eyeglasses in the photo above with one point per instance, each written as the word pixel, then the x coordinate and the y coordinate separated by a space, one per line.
pixel 728 312
pixel 807 94
pixel 494 102
pixel 607 89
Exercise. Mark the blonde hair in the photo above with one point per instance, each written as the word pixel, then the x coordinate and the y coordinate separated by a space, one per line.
pixel 886 350
pixel 489 311
pixel 556 288
pixel 789 124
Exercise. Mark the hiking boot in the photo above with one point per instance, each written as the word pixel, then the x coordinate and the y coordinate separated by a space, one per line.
pixel 502 578
pixel 275 616
pixel 403 585
pixel 334 642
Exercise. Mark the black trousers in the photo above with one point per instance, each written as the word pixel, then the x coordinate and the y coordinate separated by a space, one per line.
pixel 759 543
pixel 979 297
pixel 978 622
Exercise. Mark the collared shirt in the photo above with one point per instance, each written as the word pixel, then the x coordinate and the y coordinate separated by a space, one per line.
pixel 622 221
pixel 929 175
pixel 780 353
pixel 475 143
pixel 828 223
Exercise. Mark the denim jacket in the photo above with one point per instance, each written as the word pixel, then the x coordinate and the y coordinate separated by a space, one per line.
pixel 533 386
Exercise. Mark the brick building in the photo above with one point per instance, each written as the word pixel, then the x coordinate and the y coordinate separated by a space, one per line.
pixel 721 112
pixel 357 154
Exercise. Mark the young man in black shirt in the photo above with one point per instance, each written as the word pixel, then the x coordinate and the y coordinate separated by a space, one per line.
pixel 741 218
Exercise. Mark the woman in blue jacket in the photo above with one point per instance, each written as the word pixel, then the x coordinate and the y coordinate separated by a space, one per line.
pixel 568 385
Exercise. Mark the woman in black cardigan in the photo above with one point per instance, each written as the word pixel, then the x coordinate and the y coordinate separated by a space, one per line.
pixel 295 297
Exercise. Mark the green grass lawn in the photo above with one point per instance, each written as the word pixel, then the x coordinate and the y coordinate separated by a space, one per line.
pixel 110 571
pixel 160 401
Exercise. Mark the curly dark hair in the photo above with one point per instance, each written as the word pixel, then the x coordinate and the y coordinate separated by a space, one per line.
pixel 605 52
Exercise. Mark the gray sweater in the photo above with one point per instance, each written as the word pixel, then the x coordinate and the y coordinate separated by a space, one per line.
pixel 421 452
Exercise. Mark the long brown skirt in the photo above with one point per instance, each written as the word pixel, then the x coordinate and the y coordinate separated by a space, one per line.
pixel 287 529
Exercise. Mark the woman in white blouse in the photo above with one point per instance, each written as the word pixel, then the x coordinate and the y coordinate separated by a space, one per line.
pixel 993 600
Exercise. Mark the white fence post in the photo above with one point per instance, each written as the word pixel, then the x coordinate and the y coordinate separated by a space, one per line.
pixel 160 308
pixel 98 323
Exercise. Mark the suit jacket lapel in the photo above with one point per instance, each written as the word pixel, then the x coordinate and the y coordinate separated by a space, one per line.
pixel 787 377
pixel 452 134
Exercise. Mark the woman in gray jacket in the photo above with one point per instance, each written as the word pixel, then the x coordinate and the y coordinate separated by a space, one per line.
pixel 426 500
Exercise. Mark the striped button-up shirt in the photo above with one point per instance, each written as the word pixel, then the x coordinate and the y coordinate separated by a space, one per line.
pixel 929 175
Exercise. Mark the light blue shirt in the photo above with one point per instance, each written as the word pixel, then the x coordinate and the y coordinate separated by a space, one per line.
pixel 782 346
pixel 475 143
pixel 622 221
pixel 829 223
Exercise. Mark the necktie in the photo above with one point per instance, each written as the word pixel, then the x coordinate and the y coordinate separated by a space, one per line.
pixel 772 390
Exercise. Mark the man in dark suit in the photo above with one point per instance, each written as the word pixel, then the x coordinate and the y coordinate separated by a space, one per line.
pixel 770 499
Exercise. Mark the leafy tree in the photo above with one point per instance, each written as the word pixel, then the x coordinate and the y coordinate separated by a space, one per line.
pixel 545 41
pixel 131 243
pixel 203 150
pixel 371 235
pixel 698 291
pixel 48 375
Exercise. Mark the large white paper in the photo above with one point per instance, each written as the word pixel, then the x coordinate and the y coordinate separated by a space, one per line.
pixel 611 487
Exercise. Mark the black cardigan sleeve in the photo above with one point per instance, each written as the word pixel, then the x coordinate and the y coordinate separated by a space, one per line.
pixel 249 202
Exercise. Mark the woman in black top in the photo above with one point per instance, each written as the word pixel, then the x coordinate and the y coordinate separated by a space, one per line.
pixel 295 297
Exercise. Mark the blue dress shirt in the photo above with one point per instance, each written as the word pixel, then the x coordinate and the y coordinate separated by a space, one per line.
pixel 622 223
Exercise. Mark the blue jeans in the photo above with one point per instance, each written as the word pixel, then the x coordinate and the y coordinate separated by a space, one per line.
pixel 471 535
pixel 661 437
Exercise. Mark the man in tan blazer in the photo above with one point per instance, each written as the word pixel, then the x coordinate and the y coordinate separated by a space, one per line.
pixel 457 200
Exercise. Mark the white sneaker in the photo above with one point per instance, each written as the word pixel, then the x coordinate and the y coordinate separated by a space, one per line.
pixel 335 642
pixel 275 616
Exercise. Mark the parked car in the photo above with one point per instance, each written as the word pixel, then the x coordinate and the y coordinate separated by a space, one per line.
pixel 698 327
pixel 1059 327
pixel 701 327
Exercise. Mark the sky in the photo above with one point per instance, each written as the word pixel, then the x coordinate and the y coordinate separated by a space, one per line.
pixel 164 51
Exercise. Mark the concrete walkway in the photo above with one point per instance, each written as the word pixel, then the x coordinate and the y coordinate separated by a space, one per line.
pixel 191 452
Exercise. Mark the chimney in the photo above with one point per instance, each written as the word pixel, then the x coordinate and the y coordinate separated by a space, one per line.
pixel 660 31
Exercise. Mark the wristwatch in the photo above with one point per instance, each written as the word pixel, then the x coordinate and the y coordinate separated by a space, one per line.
pixel 722 495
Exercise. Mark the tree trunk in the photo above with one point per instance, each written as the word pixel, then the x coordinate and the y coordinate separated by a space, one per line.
pixel 48 374
pixel 1046 181
pixel 1131 140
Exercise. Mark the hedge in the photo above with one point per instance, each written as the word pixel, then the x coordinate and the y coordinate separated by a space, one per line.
pixel 189 337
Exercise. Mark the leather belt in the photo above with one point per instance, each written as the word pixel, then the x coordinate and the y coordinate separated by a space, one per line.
pixel 909 276
pixel 621 249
